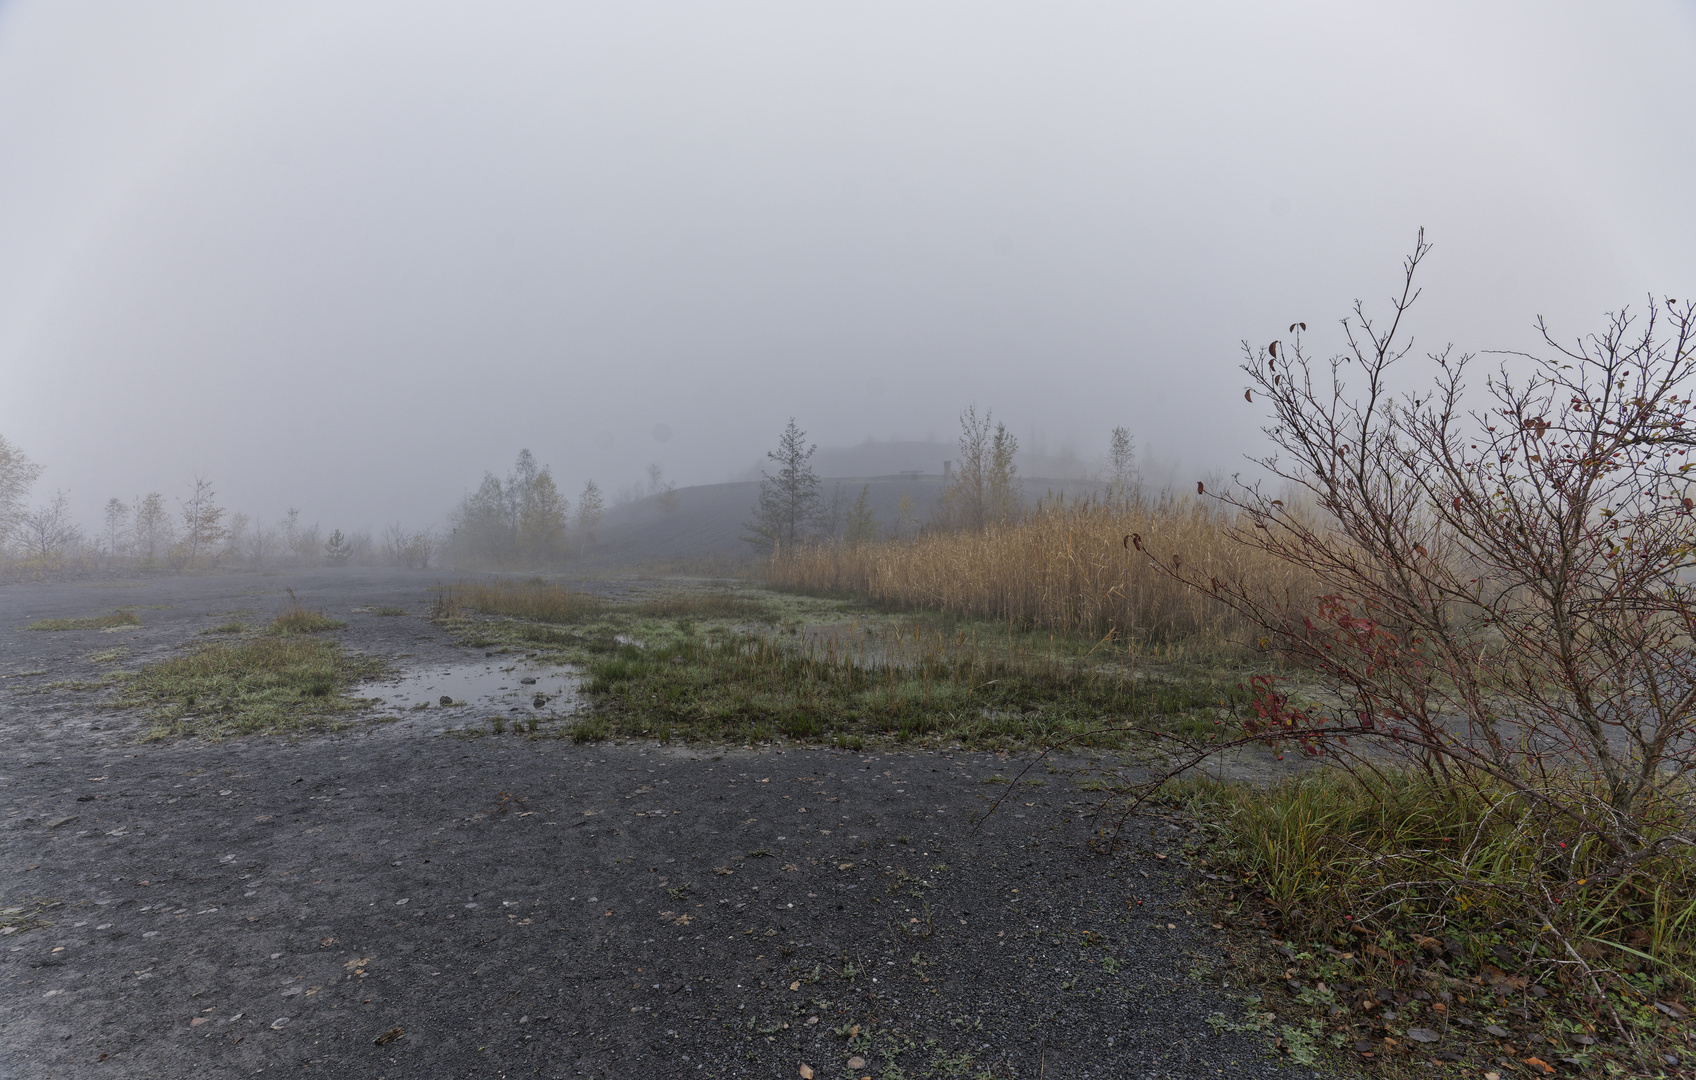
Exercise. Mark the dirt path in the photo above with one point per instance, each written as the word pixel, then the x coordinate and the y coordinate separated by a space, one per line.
pixel 530 907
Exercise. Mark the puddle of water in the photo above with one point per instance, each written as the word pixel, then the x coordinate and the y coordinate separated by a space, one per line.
pixel 479 688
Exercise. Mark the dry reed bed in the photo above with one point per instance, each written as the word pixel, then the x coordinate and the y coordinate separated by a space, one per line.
pixel 1065 568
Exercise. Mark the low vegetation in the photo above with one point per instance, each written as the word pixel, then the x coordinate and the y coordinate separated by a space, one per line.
pixel 297 618
pixel 262 684
pixel 754 666
pixel 536 600
pixel 109 621
pixel 1067 568
pixel 1395 926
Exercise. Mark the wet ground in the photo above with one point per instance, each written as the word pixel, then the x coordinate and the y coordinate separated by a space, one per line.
pixel 391 901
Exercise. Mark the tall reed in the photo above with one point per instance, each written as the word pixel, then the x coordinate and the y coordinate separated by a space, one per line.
pixel 1066 567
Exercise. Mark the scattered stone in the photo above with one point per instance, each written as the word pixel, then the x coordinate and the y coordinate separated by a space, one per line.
pixel 1498 1031
pixel 1424 1035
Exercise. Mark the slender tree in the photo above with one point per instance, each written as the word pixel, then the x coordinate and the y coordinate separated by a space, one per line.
pixel 203 522
pixel 153 531
pixel 591 507
pixel 117 528
pixel 1122 478
pixel 17 475
pixel 789 497
pixel 862 520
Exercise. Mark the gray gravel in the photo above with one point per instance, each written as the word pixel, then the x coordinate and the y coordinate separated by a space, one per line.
pixel 530 907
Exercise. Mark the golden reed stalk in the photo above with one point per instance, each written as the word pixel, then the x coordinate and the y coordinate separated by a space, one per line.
pixel 1064 567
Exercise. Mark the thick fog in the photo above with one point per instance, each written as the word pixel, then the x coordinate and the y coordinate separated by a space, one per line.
pixel 348 256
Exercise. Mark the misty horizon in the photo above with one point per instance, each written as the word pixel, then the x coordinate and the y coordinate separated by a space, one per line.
pixel 350 259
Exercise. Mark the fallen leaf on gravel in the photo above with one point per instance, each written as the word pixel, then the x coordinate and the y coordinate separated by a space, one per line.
pixel 723 870
pixel 796 985
pixel 806 1071
pixel 856 1063
pixel 326 942
pixel 388 1036
pixel 1495 976
pixel 197 1021
pixel 1425 1035
pixel 279 1023
pixel 357 964
pixel 845 866
pixel 1539 1063
pixel 790 868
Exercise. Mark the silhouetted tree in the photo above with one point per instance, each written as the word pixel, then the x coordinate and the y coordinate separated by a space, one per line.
pixel 337 550
pixel 591 507
pixel 789 498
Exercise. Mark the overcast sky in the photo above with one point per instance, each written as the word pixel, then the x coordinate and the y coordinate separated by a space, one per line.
pixel 347 256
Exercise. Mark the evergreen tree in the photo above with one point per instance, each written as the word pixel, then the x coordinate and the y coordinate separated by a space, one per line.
pixel 789 498
pixel 337 549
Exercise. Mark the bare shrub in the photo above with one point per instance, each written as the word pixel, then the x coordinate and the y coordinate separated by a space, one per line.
pixel 1505 595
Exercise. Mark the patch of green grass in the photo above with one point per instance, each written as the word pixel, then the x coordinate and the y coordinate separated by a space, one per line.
pixel 755 666
pixel 1402 881
pixel 109 621
pixel 748 687
pixel 388 612
pixel 239 688
pixel 227 628
pixel 109 656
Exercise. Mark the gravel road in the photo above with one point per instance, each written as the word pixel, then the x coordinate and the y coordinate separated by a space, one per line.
pixel 388 901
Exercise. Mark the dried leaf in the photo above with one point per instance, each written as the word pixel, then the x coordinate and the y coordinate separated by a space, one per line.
pixel 388 1036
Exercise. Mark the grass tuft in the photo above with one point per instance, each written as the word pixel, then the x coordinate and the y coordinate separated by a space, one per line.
pixel 1453 859
pixel 297 618
pixel 109 621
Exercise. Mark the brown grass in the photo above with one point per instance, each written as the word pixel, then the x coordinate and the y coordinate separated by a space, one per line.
pixel 1065 568
pixel 536 600
pixel 297 618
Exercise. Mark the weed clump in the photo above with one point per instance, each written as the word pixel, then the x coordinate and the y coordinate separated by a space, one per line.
pixel 109 621
pixel 1416 872
pixel 297 618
